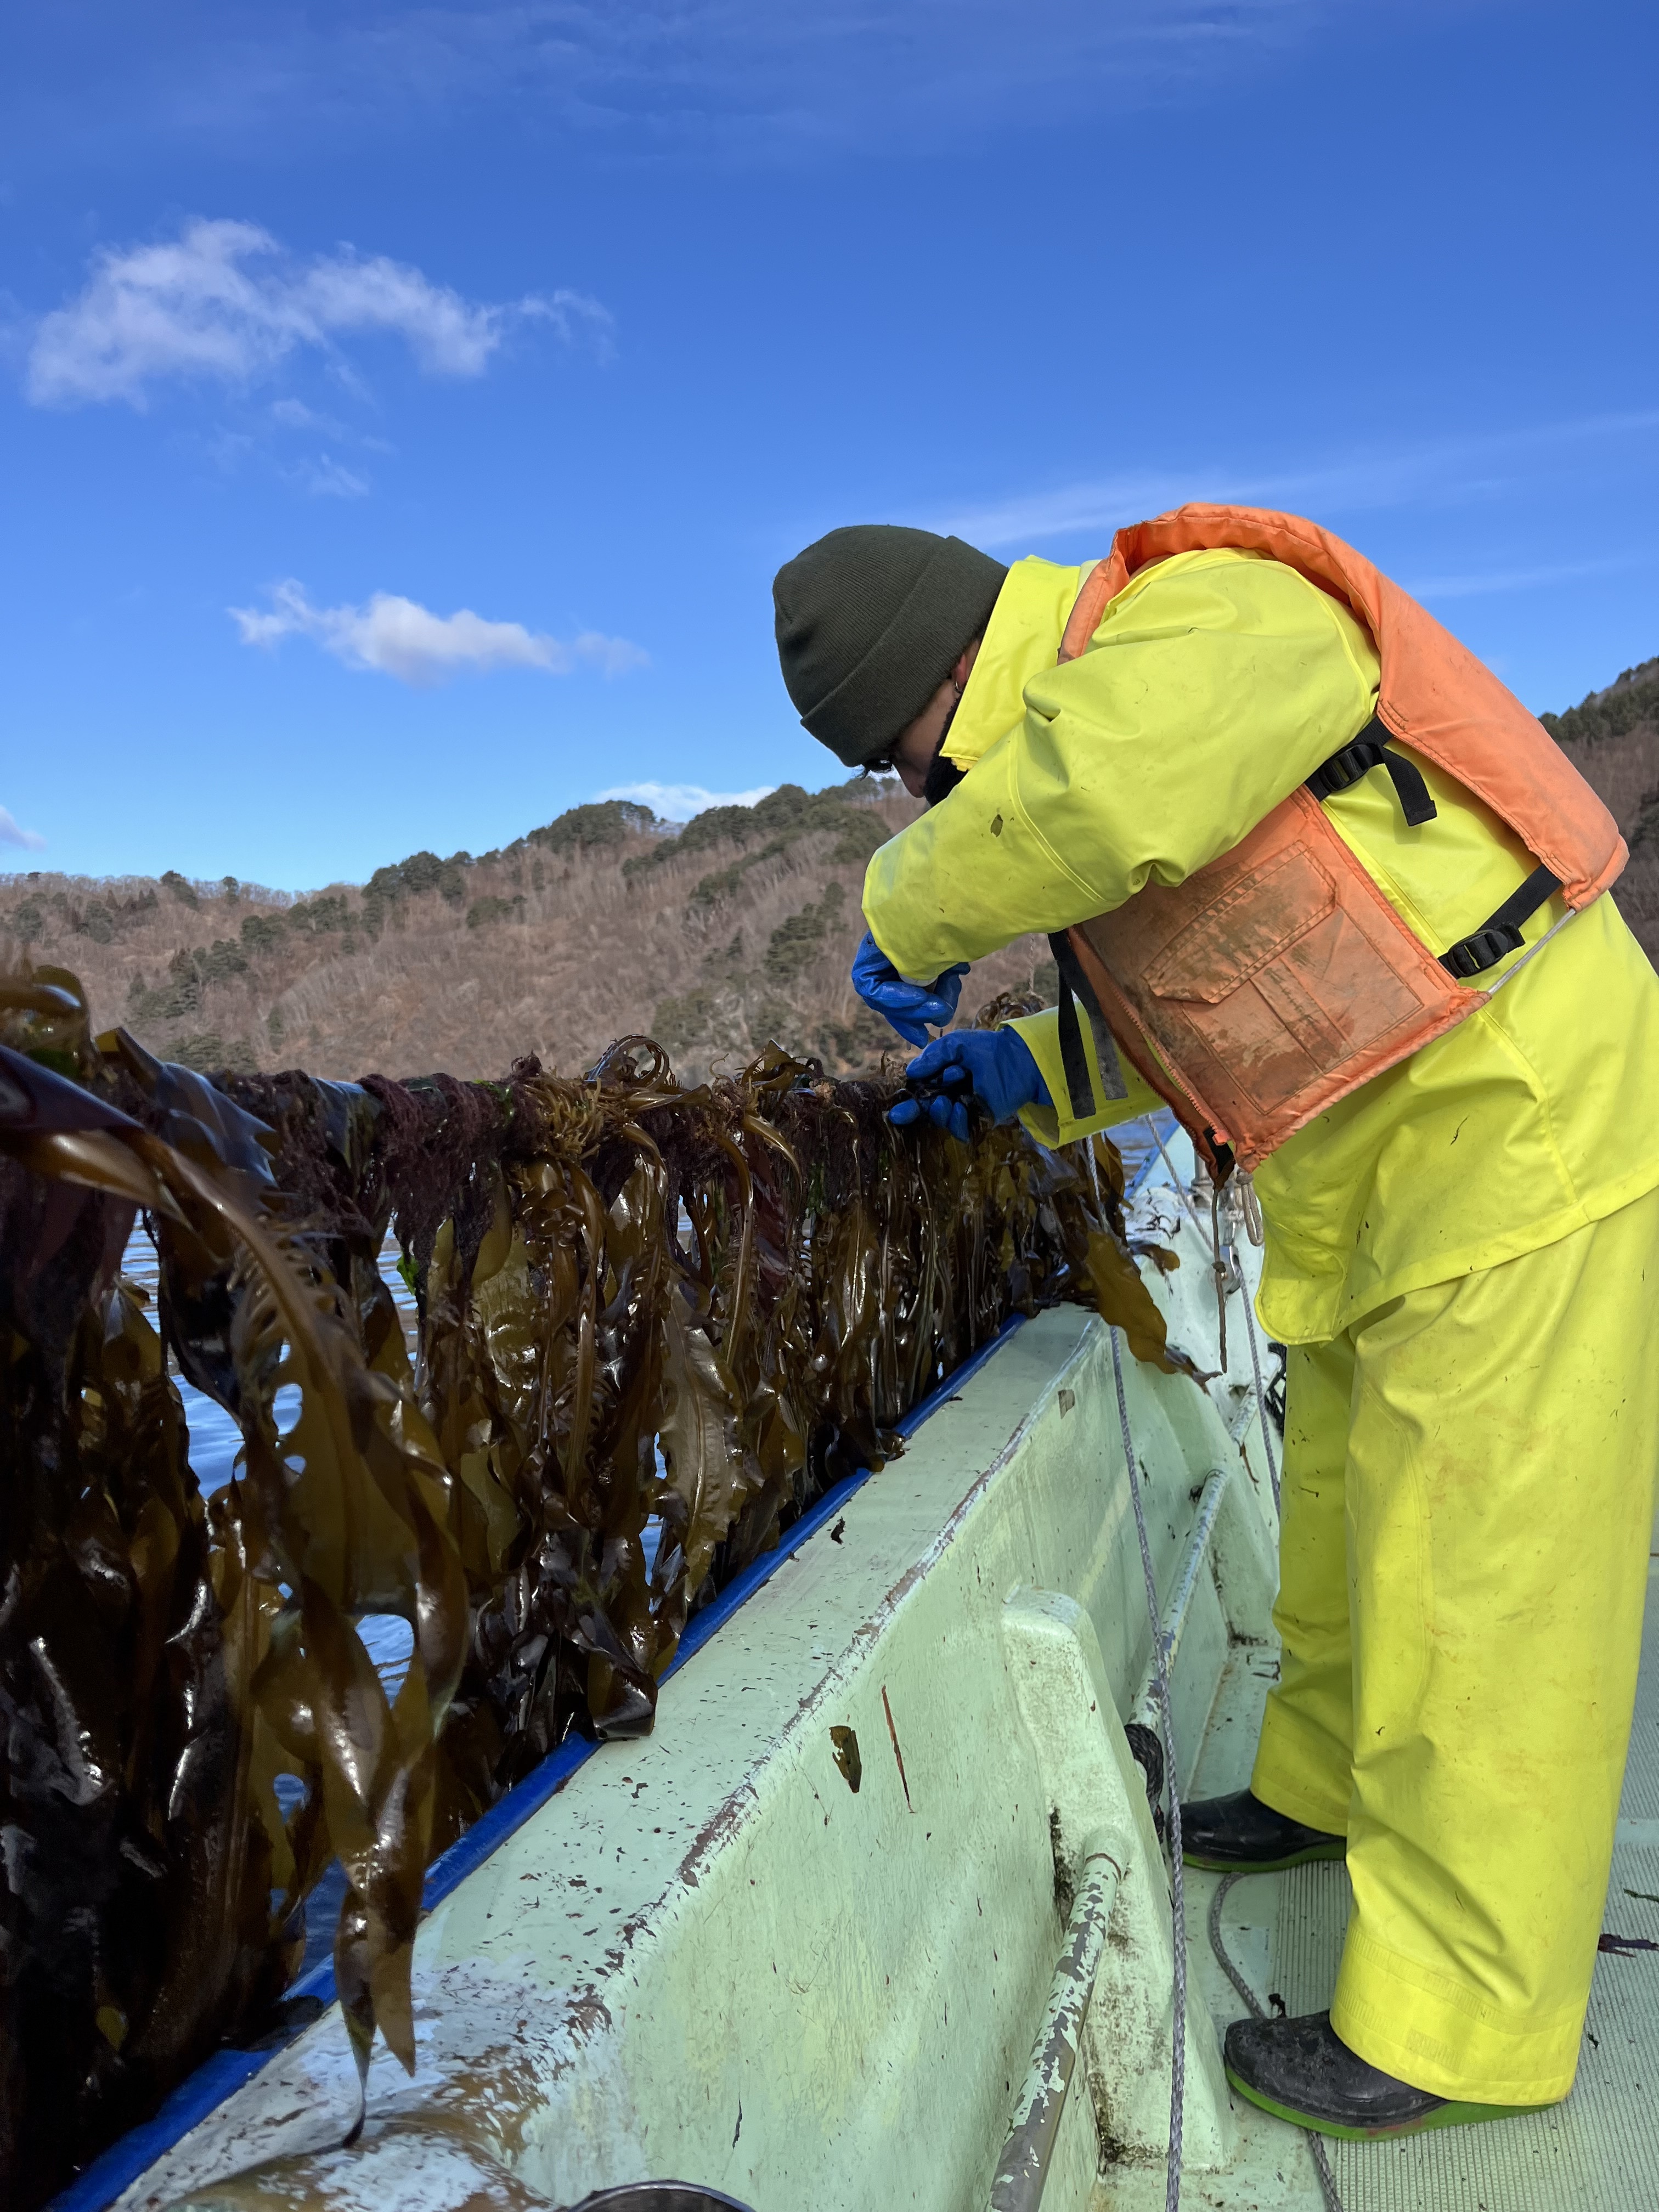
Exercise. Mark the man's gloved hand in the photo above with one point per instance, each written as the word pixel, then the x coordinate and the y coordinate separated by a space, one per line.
pixel 991 1067
pixel 910 1007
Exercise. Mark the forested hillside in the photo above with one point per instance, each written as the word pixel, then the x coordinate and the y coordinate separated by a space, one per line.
pixel 1613 739
pixel 713 938
pixel 737 928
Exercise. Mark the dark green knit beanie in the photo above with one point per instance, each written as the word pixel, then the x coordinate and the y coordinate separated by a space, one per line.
pixel 869 621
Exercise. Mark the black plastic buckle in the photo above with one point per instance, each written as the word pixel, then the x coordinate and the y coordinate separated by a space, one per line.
pixel 1344 769
pixel 1472 955
pixel 1359 756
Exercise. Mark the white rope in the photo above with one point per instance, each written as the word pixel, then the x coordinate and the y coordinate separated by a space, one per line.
pixel 1327 2188
pixel 1181 1197
pixel 1249 1316
pixel 1178 1899
pixel 1209 1237
pixel 1532 949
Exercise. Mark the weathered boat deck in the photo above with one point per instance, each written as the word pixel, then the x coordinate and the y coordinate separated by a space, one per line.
pixel 1597 2153
pixel 726 1953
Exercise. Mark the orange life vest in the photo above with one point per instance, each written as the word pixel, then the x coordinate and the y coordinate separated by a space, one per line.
pixel 1278 979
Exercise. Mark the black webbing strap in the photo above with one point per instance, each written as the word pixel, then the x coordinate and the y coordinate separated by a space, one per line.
pixel 1359 756
pixel 1073 1052
pixel 1500 933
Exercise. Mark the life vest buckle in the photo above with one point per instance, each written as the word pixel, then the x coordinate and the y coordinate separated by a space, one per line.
pixel 1472 955
pixel 1344 769
pixel 1369 750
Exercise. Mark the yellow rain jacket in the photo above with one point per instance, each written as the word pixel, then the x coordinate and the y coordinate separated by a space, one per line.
pixel 1458 1251
pixel 1216 683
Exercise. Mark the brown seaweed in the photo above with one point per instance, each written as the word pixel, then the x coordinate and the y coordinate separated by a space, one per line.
pixel 753 1279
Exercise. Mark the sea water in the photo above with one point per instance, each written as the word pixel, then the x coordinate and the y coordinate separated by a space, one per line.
pixel 215 1441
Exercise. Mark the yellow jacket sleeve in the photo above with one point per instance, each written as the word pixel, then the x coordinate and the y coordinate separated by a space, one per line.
pixel 1054 1125
pixel 1216 683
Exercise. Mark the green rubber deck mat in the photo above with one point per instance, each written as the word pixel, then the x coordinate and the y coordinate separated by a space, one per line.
pixel 1598 2152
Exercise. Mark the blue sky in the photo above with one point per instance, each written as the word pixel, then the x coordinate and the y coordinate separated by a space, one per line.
pixel 323 327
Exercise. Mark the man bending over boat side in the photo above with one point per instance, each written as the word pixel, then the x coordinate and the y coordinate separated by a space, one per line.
pixel 1319 882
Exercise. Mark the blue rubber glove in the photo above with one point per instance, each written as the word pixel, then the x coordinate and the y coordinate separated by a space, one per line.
pixel 910 1007
pixel 994 1067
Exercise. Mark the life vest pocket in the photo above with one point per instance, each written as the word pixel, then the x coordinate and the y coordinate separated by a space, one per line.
pixel 1278 978
pixel 1275 981
pixel 1256 914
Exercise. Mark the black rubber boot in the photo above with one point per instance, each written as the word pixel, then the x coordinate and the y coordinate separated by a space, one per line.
pixel 1241 1835
pixel 1301 2070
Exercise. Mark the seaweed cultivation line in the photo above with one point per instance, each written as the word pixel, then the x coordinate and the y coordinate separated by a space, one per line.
pixel 638 1302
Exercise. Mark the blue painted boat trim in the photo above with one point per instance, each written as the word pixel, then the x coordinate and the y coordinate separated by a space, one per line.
pixel 223 2075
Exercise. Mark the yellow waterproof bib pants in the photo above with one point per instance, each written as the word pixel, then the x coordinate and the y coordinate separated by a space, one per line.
pixel 1469 1488
pixel 1460 1249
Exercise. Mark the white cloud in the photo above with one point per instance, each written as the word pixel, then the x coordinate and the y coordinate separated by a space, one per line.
pixel 611 656
pixel 678 802
pixel 1478 583
pixel 574 315
pixel 325 478
pixel 294 415
pixel 12 833
pixel 1365 479
pixel 759 80
pixel 224 301
pixel 398 637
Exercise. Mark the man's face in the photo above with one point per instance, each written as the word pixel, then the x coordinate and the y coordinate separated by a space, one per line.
pixel 918 741
pixel 913 750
